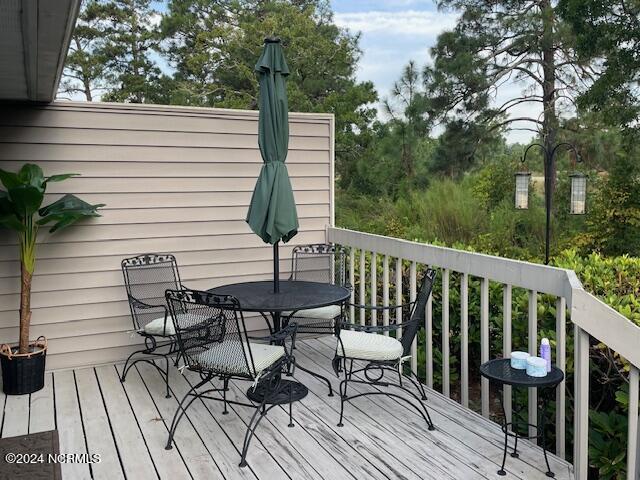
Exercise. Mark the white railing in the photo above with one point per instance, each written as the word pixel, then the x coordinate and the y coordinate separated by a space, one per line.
pixel 589 315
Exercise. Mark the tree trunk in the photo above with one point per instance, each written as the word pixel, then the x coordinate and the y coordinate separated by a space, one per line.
pixel 25 308
pixel 550 120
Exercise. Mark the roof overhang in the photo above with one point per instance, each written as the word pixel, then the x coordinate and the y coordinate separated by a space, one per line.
pixel 34 39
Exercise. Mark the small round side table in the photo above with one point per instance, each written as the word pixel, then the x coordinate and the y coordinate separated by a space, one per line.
pixel 501 373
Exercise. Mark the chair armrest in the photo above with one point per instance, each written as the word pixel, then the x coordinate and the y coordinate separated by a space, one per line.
pixel 371 328
pixel 289 331
pixel 357 306
pixel 365 328
pixel 142 305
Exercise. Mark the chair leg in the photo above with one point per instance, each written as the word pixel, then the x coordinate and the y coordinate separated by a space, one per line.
pixel 128 365
pixel 418 384
pixel 166 361
pixel 258 415
pixel 225 388
pixel 318 376
pixel 343 390
pixel 182 408
pixel 291 425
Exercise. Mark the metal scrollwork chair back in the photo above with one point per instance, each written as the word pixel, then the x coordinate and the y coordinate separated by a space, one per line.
pixel 146 278
pixel 213 341
pixel 378 352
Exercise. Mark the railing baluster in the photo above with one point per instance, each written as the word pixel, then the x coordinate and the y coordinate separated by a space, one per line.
pixel 363 282
pixel 464 340
pixel 484 341
pixel 352 284
pixel 429 341
pixel 445 332
pixel 507 297
pixel 561 363
pixel 385 291
pixel 533 344
pixel 374 288
pixel 581 396
pixel 412 297
pixel 399 293
pixel 632 442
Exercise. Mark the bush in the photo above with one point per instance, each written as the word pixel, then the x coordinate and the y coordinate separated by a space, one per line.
pixel 447 211
pixel 614 223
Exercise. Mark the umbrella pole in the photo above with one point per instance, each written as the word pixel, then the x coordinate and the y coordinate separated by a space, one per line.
pixel 276 268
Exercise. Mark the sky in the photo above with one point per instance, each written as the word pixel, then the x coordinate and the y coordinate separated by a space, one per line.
pixel 396 31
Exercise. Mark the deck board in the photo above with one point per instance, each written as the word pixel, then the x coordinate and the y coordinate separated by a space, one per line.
pixel 132 446
pixel 382 438
pixel 16 418
pixel 470 427
pixel 201 462
pixel 69 422
pixel 41 412
pixel 96 425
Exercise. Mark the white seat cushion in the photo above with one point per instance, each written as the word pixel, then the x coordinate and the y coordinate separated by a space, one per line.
pixel 227 357
pixel 322 313
pixel 156 327
pixel 369 346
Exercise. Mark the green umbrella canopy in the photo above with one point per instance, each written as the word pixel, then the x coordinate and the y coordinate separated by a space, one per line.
pixel 272 213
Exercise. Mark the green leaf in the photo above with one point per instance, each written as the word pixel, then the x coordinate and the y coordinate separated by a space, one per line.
pixel 31 174
pixel 11 222
pixel 5 203
pixel 26 199
pixel 61 177
pixel 9 179
pixel 66 211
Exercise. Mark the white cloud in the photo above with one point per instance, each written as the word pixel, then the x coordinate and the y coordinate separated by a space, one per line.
pixel 404 22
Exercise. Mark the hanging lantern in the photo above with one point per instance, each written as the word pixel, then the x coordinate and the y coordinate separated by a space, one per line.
pixel 522 190
pixel 578 193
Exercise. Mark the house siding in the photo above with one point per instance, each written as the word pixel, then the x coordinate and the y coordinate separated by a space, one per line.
pixel 174 179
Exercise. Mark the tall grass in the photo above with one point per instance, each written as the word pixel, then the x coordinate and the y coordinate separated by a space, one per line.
pixel 446 211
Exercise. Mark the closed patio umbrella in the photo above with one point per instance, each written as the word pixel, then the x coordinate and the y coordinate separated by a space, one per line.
pixel 272 212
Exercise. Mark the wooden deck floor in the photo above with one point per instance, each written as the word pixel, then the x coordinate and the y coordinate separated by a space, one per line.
pixel 126 424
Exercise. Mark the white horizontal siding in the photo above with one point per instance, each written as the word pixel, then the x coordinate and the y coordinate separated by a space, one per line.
pixel 175 179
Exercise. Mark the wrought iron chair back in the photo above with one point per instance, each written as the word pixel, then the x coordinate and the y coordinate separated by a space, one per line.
pixel 146 278
pixel 211 332
pixel 319 262
pixel 418 311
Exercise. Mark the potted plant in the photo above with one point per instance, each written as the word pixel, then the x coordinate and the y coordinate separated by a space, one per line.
pixel 21 211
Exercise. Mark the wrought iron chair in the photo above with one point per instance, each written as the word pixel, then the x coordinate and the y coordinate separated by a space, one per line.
pixel 383 354
pixel 146 278
pixel 213 341
pixel 318 263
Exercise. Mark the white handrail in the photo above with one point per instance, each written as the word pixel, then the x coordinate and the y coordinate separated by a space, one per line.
pixel 590 316
pixel 531 276
pixel 588 312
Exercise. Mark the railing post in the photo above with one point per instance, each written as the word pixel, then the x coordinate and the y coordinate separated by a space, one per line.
pixel 632 442
pixel 484 341
pixel 533 346
pixel 464 339
pixel 352 284
pixel 507 297
pixel 445 333
pixel 374 288
pixel 385 291
pixel 561 363
pixel 363 282
pixel 429 341
pixel 399 293
pixel 412 297
pixel 581 395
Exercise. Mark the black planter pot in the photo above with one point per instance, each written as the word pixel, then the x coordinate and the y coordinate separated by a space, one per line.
pixel 22 374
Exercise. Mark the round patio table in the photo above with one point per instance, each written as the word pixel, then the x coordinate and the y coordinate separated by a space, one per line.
pixel 293 296
pixel 502 373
